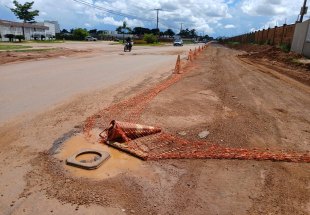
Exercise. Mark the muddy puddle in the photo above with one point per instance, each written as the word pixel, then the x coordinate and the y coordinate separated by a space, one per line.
pixel 118 163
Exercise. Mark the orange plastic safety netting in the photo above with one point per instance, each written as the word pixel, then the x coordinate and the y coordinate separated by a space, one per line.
pixel 164 145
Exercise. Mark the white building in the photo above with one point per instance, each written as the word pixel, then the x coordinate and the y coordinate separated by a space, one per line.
pixel 57 27
pixel 53 28
pixel 51 31
pixel 31 30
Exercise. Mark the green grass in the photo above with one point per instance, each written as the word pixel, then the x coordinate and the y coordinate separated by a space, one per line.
pixel 285 48
pixel 13 47
pixel 233 43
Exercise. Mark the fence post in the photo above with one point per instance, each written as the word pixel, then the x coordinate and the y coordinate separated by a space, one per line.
pixel 274 34
pixel 282 33
pixel 268 42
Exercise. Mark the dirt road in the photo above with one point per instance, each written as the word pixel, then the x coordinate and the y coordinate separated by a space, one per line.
pixel 33 86
pixel 241 103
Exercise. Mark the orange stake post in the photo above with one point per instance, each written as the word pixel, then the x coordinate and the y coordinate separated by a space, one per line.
pixel 177 68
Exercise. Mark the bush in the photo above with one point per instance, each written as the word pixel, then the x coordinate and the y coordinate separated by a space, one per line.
pixel 139 42
pixel 20 37
pixel 150 38
pixel 166 40
pixel 285 47
pixel 80 34
pixel 10 37
pixel 233 43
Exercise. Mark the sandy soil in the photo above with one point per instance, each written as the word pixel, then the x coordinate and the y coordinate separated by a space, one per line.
pixel 241 103
pixel 298 67
pixel 48 78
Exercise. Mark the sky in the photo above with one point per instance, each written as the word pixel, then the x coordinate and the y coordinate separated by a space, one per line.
pixel 212 17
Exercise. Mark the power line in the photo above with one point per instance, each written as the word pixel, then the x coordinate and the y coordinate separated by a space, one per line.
pixel 112 11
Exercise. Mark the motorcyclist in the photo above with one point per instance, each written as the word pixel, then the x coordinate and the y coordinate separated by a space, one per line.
pixel 129 42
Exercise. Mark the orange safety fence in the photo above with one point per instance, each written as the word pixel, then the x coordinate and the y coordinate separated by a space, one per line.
pixel 164 145
pixel 125 131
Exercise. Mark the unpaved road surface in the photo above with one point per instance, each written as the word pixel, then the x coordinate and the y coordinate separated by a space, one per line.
pixel 241 103
pixel 33 86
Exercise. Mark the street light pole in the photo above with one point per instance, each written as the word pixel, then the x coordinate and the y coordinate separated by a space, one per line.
pixel 157 10
pixel 303 11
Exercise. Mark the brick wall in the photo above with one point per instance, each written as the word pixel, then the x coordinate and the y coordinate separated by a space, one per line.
pixel 272 36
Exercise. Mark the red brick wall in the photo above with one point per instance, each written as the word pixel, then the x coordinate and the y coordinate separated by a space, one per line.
pixel 273 36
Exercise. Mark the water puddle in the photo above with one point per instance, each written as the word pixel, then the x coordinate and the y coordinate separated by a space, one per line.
pixel 118 163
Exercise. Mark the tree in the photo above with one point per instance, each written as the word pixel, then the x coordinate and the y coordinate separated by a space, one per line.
pixel 155 31
pixel 80 34
pixel 22 11
pixel 150 38
pixel 93 31
pixel 141 31
pixel 192 33
pixel 20 37
pixel 10 37
pixel 185 33
pixel 169 33
pixel 123 29
pixel 64 31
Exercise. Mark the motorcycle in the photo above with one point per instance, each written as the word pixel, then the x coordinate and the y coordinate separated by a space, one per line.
pixel 127 46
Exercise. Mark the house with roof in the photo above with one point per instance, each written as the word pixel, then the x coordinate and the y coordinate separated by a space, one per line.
pixel 31 30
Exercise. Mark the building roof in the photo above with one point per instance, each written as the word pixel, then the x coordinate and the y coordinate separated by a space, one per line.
pixel 22 24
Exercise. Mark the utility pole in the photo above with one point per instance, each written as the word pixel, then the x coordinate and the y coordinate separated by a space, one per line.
pixel 181 27
pixel 303 11
pixel 157 10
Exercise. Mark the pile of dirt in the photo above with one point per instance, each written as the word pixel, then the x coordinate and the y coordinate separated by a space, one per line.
pixel 277 59
pixel 15 56
pixel 250 48
pixel 271 53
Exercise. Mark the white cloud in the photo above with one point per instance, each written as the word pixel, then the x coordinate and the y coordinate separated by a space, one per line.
pixel 271 7
pixel 208 16
pixel 229 26
pixel 274 12
pixel 198 14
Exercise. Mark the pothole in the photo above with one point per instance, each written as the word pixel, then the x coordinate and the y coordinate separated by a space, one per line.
pixel 118 163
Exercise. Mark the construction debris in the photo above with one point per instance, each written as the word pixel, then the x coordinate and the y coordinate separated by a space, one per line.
pixel 168 146
pixel 125 131
pixel 203 134
pixel 96 162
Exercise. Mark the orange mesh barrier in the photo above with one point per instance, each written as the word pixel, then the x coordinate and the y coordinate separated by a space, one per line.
pixel 164 145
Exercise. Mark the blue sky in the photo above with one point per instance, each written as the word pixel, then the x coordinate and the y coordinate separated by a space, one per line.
pixel 212 17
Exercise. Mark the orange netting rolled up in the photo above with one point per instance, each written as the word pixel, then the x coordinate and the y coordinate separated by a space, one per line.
pixel 125 131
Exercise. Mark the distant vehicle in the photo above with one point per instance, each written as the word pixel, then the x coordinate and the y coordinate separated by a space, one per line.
pixel 90 38
pixel 178 42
